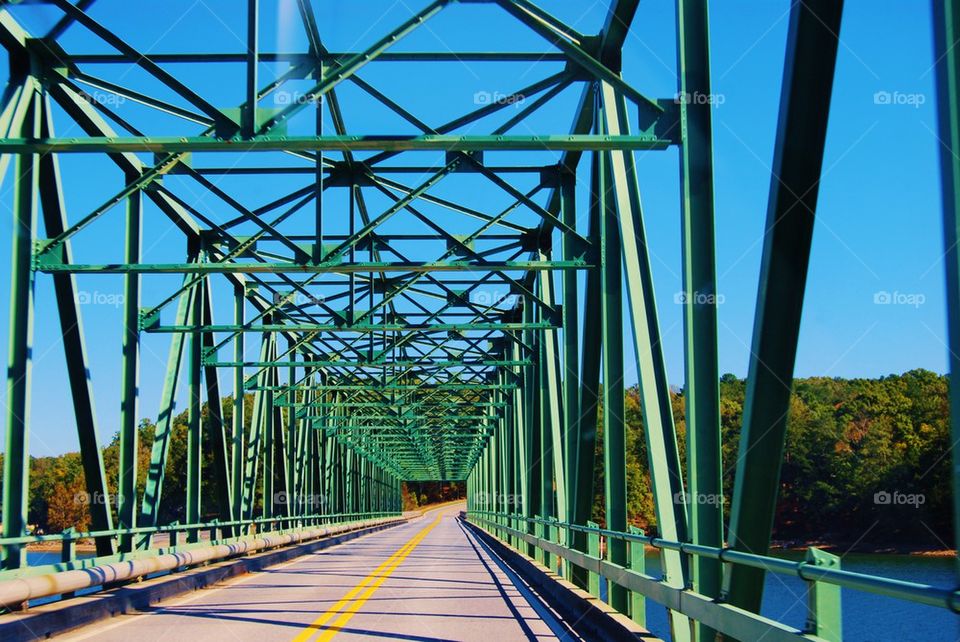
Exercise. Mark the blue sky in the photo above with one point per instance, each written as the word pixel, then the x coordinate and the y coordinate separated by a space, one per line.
pixel 878 235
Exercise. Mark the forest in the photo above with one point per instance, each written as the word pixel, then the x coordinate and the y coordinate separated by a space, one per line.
pixel 867 462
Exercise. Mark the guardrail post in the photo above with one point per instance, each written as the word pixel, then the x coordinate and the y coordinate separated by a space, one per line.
pixel 68 553
pixel 823 600
pixel 68 548
pixel 174 534
pixel 544 534
pixel 538 533
pixel 638 606
pixel 550 534
pixel 593 550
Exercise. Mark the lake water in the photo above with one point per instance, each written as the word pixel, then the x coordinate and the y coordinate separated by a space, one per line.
pixel 39 558
pixel 866 617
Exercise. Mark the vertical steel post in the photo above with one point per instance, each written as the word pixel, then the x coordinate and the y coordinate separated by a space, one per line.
pixel 249 116
pixel 614 435
pixel 663 456
pixel 532 420
pixel 571 356
pixel 506 466
pixel 592 340
pixel 700 298
pixel 593 550
pixel 638 603
pixel 217 430
pixel 269 426
pixel 553 413
pixel 153 489
pixel 238 447
pixel 291 442
pixel 129 374
pixel 194 427
pixel 254 444
pixel 349 488
pixel 946 31
pixel 16 462
pixel 521 444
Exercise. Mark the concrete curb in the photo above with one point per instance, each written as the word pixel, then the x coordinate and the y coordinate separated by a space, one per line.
pixel 589 616
pixel 48 620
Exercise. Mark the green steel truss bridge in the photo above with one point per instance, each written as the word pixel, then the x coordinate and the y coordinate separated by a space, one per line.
pixel 442 296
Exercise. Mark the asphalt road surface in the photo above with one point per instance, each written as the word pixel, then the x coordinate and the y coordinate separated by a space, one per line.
pixel 427 580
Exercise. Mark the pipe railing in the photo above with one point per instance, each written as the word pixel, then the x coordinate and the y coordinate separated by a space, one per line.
pixel 820 570
pixel 228 531
pixel 17 591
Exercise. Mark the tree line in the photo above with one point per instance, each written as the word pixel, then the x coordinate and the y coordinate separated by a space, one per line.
pixel 865 459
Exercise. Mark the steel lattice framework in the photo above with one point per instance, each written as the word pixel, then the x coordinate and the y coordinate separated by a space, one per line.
pixel 406 331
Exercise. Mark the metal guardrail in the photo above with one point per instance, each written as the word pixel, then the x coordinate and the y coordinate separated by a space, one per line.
pixel 182 537
pixel 18 591
pixel 820 570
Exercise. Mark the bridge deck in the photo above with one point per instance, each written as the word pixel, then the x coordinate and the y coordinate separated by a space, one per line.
pixel 429 579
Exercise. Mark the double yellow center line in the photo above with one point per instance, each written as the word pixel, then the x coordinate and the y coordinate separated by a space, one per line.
pixel 352 602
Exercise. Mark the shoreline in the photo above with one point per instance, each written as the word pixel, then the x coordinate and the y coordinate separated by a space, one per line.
pixel 842 548
pixel 860 549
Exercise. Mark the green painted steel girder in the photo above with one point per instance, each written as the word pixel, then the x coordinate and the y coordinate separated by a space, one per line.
pixel 444 143
pixel 360 328
pixel 44 264
pixel 489 363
